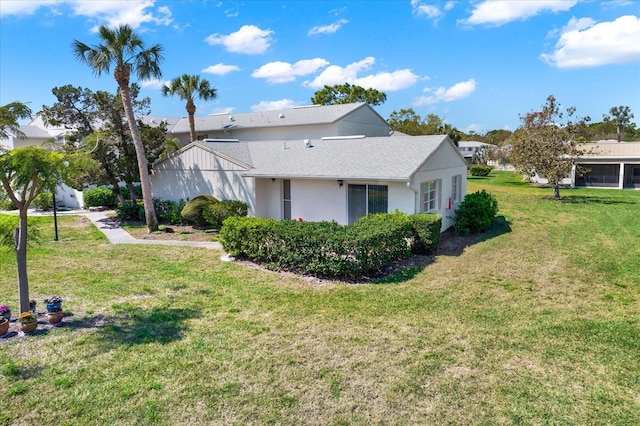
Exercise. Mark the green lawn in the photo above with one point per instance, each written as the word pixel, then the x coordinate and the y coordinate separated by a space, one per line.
pixel 538 322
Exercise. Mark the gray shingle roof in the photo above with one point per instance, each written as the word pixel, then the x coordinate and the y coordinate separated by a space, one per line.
pixel 385 158
pixel 34 132
pixel 297 116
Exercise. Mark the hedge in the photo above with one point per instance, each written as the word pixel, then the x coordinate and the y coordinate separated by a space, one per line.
pixel 99 197
pixel 328 249
pixel 480 169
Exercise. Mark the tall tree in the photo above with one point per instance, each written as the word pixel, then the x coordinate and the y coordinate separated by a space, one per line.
pixel 25 173
pixel 347 94
pixel 187 87
pixel 406 121
pixel 546 145
pixel 10 114
pixel 125 51
pixel 622 116
pixel 76 109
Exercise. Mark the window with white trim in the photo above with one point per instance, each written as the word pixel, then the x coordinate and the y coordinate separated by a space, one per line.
pixel 430 196
pixel 456 183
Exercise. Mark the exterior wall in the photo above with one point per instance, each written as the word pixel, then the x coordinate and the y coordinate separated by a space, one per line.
pixel 269 198
pixel 318 200
pixel 198 172
pixel 442 167
pixel 265 134
pixel 362 122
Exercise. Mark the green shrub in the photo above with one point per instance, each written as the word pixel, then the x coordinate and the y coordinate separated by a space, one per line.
pixel 476 213
pixel 320 248
pixel 99 197
pixel 192 211
pixel 44 201
pixel 131 212
pixel 480 169
pixel 426 232
pixel 216 212
pixel 169 211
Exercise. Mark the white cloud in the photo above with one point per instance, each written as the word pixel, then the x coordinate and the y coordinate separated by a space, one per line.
pixel 272 105
pixel 249 39
pixel 21 7
pixel 220 69
pixel 586 44
pixel 389 81
pixel 500 12
pixel 441 94
pixel 431 11
pixel 114 13
pixel 109 13
pixel 284 72
pixel 328 29
pixel 153 83
pixel 385 81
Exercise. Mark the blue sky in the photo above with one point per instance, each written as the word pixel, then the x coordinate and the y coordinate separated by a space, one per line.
pixel 476 64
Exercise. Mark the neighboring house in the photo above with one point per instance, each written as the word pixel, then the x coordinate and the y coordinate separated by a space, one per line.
pixel 337 178
pixel 604 165
pixel 470 149
pixel 609 165
pixel 304 122
pixel 35 133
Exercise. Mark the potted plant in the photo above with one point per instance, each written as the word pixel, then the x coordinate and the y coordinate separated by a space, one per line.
pixel 54 304
pixel 28 321
pixel 5 312
pixel 4 326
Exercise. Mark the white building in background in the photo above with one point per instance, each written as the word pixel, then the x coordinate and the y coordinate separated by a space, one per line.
pixel 36 133
pixel 334 162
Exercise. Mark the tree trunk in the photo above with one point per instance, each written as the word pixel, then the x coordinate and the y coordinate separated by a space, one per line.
pixel 619 132
pixel 116 190
pixel 132 192
pixel 20 239
pixel 556 191
pixel 145 181
pixel 191 111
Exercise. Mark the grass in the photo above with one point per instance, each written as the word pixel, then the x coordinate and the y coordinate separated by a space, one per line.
pixel 538 322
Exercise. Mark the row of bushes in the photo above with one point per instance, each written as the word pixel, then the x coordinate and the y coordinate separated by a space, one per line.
pixel 329 249
pixel 102 196
pixel 204 211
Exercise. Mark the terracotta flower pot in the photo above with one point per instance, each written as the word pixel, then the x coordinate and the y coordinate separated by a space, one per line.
pixel 55 317
pixel 28 327
pixel 4 326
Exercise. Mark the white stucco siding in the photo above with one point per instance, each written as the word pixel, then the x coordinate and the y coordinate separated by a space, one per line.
pixel 441 167
pixel 318 200
pixel 268 198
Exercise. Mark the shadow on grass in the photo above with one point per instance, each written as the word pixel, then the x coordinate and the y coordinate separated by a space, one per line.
pixel 586 199
pixel 132 325
pixel 450 244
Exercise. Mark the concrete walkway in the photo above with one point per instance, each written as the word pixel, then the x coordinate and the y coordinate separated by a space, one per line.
pixel 117 235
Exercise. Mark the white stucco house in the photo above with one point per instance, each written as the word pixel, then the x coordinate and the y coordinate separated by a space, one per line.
pixel 337 178
pixel 35 133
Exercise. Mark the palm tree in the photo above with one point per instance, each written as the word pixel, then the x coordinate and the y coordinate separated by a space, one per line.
pixel 187 87
pixel 125 51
